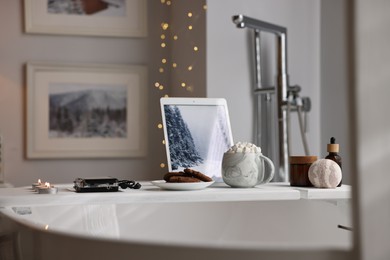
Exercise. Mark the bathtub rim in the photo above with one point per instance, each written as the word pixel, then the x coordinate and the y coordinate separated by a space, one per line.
pixel 9 213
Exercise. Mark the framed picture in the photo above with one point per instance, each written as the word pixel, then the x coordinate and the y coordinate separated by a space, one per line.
pixel 86 111
pixel 120 18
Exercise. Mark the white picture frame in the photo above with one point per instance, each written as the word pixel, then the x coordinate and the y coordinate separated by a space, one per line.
pixel 119 18
pixel 107 118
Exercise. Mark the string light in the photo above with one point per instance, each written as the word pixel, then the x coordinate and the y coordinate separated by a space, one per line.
pixel 183 84
pixel 189 14
pixel 160 126
pixel 162 36
pixel 165 26
pixel 190 27
pixel 163 141
pixel 169 3
pixel 163 1
pixel 174 65
pixel 162 165
pixel 164 61
pixel 189 68
pixel 205 7
pixel 161 87
pixel 157 84
pixel 175 37
pixel 161 70
pixel 196 48
pixel 163 45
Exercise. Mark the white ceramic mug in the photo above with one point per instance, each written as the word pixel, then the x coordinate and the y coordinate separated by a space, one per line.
pixel 245 170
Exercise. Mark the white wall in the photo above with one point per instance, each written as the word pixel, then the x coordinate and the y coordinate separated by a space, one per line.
pixel 229 68
pixel 335 97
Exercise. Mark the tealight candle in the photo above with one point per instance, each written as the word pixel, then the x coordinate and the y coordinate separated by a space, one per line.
pixel 35 184
pixel 47 189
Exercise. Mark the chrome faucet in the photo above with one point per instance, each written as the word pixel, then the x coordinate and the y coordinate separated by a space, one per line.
pixel 273 135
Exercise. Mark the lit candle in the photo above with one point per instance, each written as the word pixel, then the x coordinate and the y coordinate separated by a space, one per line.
pixel 34 185
pixel 47 189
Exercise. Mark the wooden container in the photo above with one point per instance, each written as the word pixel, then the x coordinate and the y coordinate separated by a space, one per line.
pixel 299 169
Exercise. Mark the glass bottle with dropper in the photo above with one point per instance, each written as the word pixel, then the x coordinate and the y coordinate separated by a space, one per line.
pixel 333 150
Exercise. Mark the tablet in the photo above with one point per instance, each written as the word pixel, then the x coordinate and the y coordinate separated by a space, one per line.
pixel 197 133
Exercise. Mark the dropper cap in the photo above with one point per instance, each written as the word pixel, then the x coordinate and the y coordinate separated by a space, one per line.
pixel 333 147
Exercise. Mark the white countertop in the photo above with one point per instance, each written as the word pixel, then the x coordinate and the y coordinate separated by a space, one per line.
pixel 25 196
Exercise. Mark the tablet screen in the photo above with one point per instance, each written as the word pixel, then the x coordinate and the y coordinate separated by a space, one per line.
pixel 197 136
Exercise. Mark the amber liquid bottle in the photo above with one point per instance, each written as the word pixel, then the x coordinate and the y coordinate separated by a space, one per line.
pixel 333 150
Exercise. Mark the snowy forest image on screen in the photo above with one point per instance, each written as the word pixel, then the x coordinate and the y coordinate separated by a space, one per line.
pixel 198 136
pixel 87 111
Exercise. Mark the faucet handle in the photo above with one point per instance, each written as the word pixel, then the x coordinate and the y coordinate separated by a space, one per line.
pixel 293 90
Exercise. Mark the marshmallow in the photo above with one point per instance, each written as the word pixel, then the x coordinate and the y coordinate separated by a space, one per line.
pixel 244 147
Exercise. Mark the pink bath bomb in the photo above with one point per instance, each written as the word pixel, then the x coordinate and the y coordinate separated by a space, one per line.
pixel 325 173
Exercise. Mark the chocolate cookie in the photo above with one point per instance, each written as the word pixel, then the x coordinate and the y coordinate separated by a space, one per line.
pixel 197 175
pixel 168 175
pixel 183 179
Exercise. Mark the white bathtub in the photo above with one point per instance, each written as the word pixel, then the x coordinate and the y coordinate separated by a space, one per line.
pixel 262 229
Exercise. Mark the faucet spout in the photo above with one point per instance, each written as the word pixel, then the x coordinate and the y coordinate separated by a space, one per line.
pixel 244 21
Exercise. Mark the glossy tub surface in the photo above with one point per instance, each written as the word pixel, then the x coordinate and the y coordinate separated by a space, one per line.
pixel 287 229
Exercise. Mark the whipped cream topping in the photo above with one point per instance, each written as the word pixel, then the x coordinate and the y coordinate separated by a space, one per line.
pixel 244 147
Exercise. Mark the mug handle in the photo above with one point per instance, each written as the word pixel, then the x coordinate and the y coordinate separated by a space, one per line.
pixel 271 164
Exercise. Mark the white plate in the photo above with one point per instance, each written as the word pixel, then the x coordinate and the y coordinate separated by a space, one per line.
pixel 181 186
